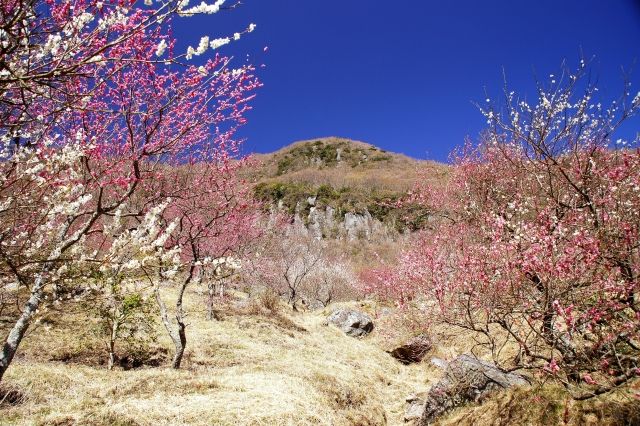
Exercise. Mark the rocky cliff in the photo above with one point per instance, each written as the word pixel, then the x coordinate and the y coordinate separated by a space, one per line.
pixel 343 189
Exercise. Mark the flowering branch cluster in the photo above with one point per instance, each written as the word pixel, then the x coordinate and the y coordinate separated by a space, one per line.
pixel 540 239
pixel 102 146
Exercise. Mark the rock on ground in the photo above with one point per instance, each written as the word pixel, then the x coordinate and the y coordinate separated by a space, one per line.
pixel 415 407
pixel 440 363
pixel 353 323
pixel 413 350
pixel 466 378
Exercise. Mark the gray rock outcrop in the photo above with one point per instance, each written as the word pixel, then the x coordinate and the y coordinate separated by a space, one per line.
pixel 359 226
pixel 414 407
pixel 321 222
pixel 353 323
pixel 466 378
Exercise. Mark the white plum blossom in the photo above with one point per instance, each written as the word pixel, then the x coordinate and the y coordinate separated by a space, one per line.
pixel 162 46
pixel 52 45
pixel 190 53
pixel 143 246
pixel 219 42
pixel 202 47
pixel 202 8
pixel 78 23
pixel 119 16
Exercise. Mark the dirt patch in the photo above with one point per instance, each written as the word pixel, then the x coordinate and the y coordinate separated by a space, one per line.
pixel 11 395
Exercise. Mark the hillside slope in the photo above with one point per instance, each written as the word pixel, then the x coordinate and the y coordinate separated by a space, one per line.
pixel 249 368
pixel 256 367
pixel 341 162
pixel 334 183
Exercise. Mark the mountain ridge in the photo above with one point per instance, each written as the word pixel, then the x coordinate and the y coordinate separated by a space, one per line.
pixel 340 187
pixel 342 162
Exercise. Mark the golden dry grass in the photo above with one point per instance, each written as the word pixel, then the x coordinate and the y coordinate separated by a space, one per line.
pixel 547 404
pixel 248 369
pixel 256 367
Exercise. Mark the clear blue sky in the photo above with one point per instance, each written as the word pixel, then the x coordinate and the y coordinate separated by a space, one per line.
pixel 403 74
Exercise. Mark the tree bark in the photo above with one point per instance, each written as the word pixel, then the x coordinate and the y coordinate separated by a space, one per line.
pixel 112 358
pixel 112 345
pixel 211 288
pixel 19 329
pixel 180 342
pixel 174 334
pixel 178 334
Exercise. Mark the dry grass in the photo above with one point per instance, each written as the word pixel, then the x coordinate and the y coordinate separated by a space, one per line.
pixel 247 369
pixel 548 405
pixel 262 365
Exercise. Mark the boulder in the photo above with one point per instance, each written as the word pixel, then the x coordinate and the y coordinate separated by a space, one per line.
pixel 440 363
pixel 415 407
pixel 413 350
pixel 466 378
pixel 353 323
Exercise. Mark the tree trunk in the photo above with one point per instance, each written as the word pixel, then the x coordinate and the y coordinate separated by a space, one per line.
pixel 180 342
pixel 551 336
pixel 112 358
pixel 20 327
pixel 211 295
pixel 178 335
pixel 112 345
pixel 292 297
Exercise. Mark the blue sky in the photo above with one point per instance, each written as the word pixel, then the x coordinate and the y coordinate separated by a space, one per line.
pixel 403 75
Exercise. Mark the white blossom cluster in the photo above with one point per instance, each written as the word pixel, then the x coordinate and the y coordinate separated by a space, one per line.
pixel 142 247
pixel 162 47
pixel 118 16
pixel 559 118
pixel 77 24
pixel 207 43
pixel 52 195
pixel 52 181
pixel 31 50
pixel 202 8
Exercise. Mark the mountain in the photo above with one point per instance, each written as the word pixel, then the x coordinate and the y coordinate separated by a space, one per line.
pixel 337 187
pixel 340 162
